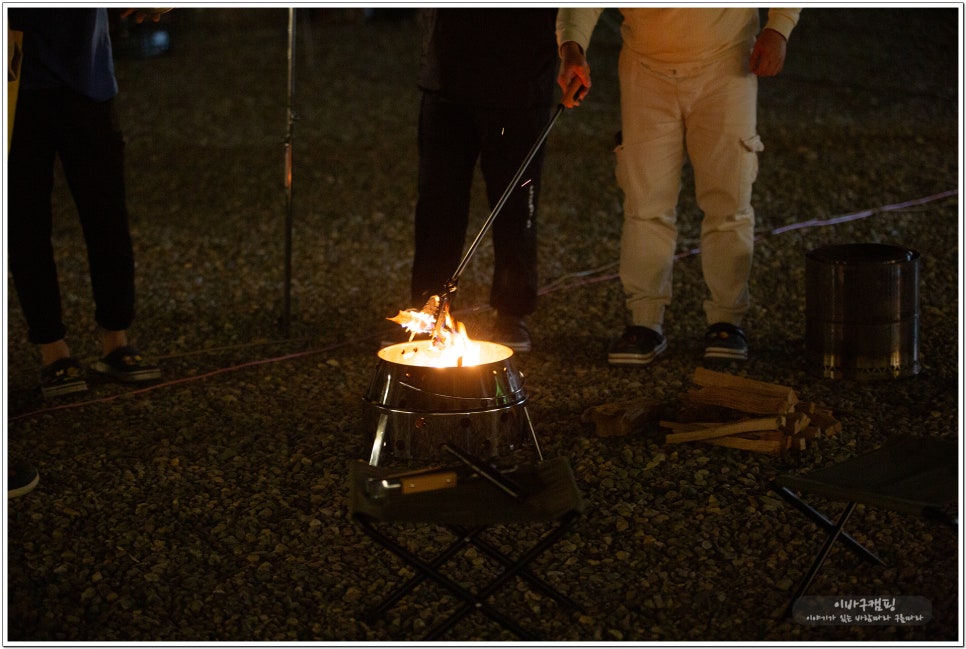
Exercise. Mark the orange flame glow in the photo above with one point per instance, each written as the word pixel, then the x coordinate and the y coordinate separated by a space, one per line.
pixel 452 348
pixel 415 322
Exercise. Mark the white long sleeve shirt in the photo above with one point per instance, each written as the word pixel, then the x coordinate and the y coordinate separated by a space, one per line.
pixel 678 36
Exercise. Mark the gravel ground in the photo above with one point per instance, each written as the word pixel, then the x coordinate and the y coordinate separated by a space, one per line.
pixel 212 507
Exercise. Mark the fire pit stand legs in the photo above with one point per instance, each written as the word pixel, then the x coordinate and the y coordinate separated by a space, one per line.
pixel 379 440
pixel 468 512
pixel 393 436
pixel 533 433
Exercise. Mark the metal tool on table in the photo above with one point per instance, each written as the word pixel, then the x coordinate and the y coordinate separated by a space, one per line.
pixel 490 473
pixel 437 478
pixel 412 482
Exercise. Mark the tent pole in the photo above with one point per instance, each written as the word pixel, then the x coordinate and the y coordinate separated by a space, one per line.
pixel 287 301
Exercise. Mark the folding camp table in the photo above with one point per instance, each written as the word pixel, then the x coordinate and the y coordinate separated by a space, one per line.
pixel 911 474
pixel 547 496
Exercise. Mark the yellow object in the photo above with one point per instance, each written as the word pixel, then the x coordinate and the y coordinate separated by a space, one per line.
pixel 14 58
pixel 428 482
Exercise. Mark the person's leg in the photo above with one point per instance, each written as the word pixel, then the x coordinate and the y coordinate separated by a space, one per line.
pixel 507 138
pixel 649 162
pixel 32 156
pixel 448 149
pixel 723 144
pixel 93 159
pixel 33 151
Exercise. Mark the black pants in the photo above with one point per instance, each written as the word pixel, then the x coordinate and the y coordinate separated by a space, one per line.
pixel 451 139
pixel 86 137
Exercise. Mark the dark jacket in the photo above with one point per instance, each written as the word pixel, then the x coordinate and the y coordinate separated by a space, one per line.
pixel 66 48
pixel 490 56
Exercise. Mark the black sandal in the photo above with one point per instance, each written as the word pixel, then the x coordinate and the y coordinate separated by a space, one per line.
pixel 63 376
pixel 126 364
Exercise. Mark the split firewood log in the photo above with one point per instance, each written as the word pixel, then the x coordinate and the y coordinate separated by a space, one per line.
pixel 624 417
pixel 723 430
pixel 763 444
pixel 739 393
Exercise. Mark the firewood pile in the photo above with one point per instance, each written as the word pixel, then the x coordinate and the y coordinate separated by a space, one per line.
pixel 725 410
pixel 737 412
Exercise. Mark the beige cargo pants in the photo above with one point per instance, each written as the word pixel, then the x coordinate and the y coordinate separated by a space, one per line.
pixel 706 112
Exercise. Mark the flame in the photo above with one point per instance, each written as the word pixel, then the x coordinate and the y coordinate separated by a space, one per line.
pixel 452 347
pixel 415 322
pixel 455 349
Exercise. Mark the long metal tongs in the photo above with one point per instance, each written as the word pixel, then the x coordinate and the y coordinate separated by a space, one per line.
pixel 441 303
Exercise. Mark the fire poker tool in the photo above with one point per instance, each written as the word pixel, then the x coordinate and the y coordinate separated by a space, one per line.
pixel 503 483
pixel 438 305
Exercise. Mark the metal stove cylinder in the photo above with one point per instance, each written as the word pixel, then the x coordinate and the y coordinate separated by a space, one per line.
pixel 862 311
pixel 414 409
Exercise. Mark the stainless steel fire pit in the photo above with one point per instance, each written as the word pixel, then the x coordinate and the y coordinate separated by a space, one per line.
pixel 417 401
pixel 862 311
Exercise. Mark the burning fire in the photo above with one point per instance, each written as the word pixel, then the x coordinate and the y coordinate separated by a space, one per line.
pixel 449 346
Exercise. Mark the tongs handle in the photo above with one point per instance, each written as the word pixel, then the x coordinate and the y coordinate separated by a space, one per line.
pixel 451 284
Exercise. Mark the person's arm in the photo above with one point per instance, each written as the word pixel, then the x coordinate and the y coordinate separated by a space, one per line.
pixel 574 29
pixel 783 20
pixel 768 55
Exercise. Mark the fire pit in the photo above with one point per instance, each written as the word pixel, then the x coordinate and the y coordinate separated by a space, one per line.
pixel 862 311
pixel 450 390
pixel 421 397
